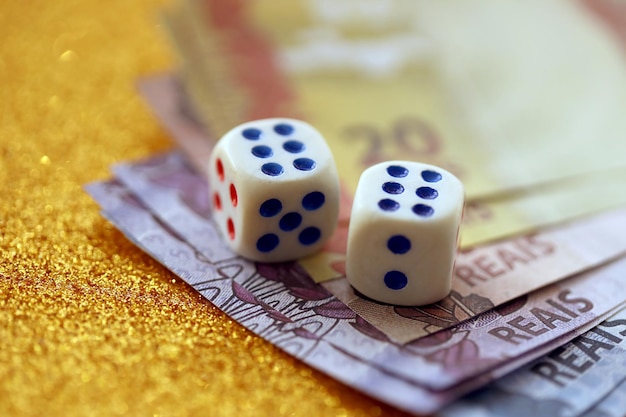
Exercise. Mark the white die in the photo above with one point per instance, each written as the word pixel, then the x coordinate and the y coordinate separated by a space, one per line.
pixel 274 189
pixel 403 233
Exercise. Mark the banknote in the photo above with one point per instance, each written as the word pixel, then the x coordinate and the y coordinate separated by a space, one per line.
pixel 483 278
pixel 491 343
pixel 512 85
pixel 484 97
pixel 611 13
pixel 569 381
pixel 200 85
pixel 613 405
pixel 299 334
pixel 484 220
pixel 279 303
pixel 162 183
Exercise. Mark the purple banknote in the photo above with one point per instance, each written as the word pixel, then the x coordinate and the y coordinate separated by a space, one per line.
pixel 441 360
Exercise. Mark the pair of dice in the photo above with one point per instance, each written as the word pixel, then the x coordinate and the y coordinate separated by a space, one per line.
pixel 275 196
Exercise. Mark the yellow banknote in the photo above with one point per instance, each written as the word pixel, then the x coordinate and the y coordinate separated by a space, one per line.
pixel 484 219
pixel 208 87
pixel 366 112
pixel 502 99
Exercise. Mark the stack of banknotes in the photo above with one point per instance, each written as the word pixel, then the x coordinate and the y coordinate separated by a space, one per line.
pixel 523 101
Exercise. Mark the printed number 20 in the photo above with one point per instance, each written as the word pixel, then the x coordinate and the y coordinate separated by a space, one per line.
pixel 411 138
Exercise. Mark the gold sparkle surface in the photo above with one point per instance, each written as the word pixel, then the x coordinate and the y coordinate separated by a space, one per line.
pixel 89 324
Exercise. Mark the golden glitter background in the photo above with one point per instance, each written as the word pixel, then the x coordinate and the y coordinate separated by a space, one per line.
pixel 89 324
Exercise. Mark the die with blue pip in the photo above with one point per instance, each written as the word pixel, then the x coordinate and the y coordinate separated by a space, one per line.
pixel 274 189
pixel 403 233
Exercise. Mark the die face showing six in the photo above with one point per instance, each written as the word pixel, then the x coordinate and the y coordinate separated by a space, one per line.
pixel 275 189
pixel 403 232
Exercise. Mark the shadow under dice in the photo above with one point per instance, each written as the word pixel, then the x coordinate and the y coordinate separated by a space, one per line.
pixel 403 232
pixel 275 189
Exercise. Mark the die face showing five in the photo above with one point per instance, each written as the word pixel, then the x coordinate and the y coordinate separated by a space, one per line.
pixel 275 189
pixel 278 150
pixel 403 232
